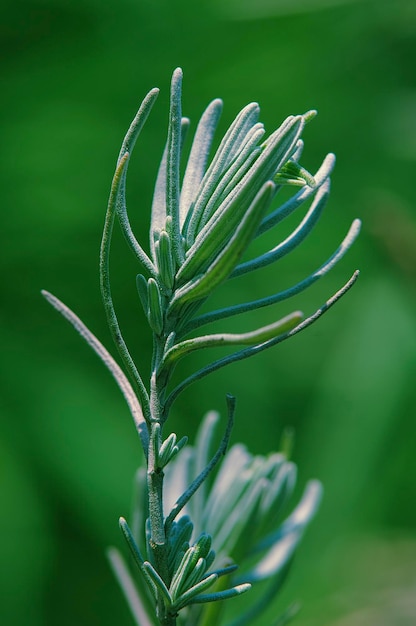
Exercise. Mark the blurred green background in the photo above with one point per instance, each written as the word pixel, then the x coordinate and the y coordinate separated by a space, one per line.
pixel 73 75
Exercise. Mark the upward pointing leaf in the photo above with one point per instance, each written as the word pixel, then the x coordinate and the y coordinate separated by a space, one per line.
pixel 229 339
pixel 223 264
pixel 173 161
pixel 198 156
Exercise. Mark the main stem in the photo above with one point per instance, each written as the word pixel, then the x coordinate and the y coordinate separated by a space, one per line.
pixel 155 475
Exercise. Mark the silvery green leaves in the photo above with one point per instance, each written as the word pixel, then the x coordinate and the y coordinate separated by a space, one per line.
pixel 203 222
pixel 245 508
pixel 227 206
pixel 191 579
pixel 201 226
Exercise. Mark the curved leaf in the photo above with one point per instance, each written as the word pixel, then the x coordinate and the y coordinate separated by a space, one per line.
pixel 229 146
pixel 281 545
pixel 224 262
pixel 259 335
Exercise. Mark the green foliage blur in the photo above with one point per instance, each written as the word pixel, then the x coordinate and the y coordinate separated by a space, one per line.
pixel 73 75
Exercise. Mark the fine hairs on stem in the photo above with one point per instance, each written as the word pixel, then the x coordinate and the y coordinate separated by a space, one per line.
pixel 208 523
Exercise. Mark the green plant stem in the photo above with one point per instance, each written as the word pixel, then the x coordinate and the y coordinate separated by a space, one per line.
pixel 169 620
pixel 157 541
pixel 155 475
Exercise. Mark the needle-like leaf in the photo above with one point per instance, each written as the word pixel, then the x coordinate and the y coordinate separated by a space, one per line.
pixel 229 146
pixel 117 201
pixel 213 316
pixel 300 197
pixel 173 163
pixel 294 239
pixel 243 354
pixel 265 333
pixel 220 268
pixel 185 497
pixel 198 157
pixel 221 595
pixel 113 367
pixel 159 204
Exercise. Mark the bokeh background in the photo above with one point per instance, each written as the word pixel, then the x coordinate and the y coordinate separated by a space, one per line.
pixel 73 75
